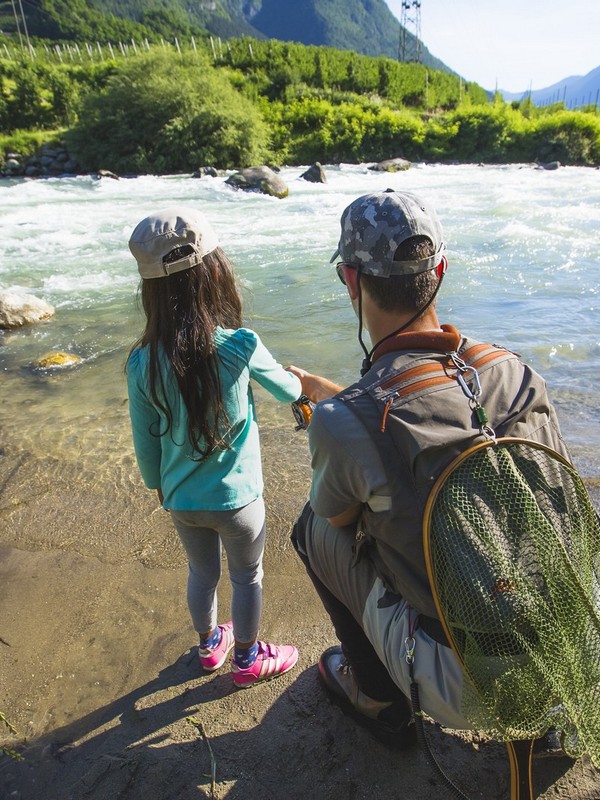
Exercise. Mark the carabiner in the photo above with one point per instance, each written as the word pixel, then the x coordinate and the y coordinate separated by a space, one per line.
pixel 472 394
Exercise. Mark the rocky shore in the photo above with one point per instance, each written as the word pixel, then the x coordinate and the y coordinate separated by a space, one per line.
pixel 51 161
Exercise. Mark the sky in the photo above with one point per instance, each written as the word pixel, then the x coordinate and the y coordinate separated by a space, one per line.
pixel 512 45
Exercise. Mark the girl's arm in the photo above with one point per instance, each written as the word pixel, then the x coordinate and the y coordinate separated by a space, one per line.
pixel 283 385
pixel 144 422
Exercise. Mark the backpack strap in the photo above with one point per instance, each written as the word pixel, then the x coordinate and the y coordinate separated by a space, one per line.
pixel 433 373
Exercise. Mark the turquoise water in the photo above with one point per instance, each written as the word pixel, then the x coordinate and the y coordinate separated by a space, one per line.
pixel 523 252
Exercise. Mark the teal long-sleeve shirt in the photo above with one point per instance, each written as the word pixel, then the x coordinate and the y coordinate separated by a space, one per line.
pixel 227 479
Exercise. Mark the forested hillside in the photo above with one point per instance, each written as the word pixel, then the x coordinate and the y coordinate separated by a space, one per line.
pixel 70 20
pixel 365 26
pixel 205 102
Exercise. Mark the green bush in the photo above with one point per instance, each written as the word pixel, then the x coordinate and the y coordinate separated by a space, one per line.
pixel 26 143
pixel 572 137
pixel 42 95
pixel 314 129
pixel 402 85
pixel 167 113
pixel 472 134
pixel 27 103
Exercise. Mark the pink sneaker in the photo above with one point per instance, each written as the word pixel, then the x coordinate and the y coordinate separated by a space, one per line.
pixel 272 660
pixel 212 659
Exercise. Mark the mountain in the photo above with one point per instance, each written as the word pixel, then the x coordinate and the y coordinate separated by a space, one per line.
pixel 575 91
pixel 365 26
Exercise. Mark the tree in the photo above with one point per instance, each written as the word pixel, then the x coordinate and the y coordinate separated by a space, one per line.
pixel 26 107
pixel 163 112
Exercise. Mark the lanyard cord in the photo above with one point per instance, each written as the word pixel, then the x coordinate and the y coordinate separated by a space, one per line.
pixel 366 364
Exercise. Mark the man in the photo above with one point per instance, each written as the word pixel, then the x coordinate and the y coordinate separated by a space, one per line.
pixel 377 448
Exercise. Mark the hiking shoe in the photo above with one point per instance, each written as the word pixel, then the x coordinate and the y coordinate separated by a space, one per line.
pixel 550 745
pixel 272 660
pixel 389 721
pixel 213 658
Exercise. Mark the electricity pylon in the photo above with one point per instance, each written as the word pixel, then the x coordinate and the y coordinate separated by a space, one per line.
pixel 410 32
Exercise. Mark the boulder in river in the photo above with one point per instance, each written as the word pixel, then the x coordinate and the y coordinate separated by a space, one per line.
pixel 391 165
pixel 259 179
pixel 315 174
pixel 18 308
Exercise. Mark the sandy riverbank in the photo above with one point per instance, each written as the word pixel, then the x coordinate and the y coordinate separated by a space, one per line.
pixel 98 675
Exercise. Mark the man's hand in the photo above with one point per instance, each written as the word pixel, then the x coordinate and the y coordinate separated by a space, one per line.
pixel 347 517
pixel 315 387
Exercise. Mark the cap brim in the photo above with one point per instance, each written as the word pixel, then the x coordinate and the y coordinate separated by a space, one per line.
pixel 335 256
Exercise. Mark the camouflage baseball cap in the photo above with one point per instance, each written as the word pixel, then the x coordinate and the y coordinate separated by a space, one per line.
pixel 375 225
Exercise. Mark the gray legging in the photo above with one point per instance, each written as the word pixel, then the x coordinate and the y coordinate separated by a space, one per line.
pixel 242 533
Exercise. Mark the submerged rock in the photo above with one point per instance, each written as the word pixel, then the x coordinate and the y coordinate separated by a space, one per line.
pixel 203 172
pixel 56 359
pixel 105 173
pixel 259 179
pixel 18 308
pixel 391 165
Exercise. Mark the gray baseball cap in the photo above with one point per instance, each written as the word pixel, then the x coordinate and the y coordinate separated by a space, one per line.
pixel 375 225
pixel 159 234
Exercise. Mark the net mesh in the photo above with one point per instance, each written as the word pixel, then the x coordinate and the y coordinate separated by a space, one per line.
pixel 513 544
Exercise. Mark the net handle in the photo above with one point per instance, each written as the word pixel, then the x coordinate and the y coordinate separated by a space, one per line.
pixel 520 754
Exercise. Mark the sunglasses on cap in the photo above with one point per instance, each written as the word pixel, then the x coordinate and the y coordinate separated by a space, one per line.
pixel 441 267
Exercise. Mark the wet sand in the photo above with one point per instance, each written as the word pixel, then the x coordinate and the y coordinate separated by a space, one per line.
pixel 99 677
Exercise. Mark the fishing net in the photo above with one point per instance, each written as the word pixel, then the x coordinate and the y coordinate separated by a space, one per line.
pixel 512 543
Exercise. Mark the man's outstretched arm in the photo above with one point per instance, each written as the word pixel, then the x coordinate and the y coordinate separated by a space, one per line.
pixel 315 387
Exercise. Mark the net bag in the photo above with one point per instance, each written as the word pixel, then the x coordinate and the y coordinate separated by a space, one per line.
pixel 512 546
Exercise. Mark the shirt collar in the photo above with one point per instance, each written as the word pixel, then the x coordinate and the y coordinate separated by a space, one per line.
pixel 446 340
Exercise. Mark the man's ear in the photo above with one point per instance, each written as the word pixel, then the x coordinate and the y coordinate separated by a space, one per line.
pixel 351 278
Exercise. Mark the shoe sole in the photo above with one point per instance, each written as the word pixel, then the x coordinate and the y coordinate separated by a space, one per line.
pixel 217 666
pixel 265 679
pixel 395 739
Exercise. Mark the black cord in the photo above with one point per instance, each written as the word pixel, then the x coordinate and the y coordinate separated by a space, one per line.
pixel 424 744
pixel 366 364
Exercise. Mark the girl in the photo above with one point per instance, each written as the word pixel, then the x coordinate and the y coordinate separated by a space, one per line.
pixel 195 433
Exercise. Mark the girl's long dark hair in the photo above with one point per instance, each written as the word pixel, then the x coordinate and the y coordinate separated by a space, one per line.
pixel 182 311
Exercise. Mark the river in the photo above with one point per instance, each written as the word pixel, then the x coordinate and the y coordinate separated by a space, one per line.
pixel 524 272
